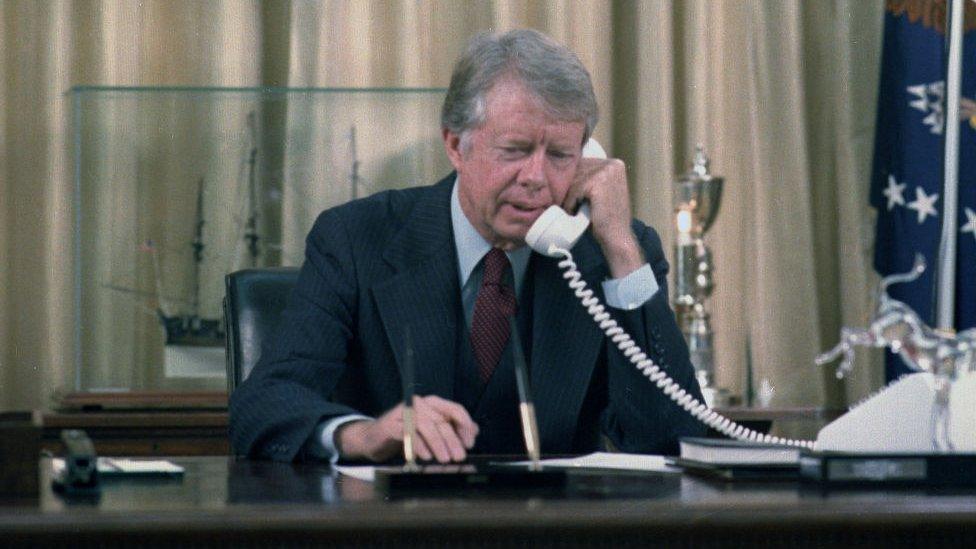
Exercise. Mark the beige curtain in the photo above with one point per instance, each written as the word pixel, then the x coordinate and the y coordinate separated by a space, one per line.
pixel 780 92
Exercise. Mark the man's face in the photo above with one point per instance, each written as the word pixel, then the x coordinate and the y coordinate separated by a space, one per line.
pixel 515 165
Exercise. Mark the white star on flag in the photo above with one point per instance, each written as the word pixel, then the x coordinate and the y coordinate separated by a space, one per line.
pixel 970 226
pixel 924 204
pixel 929 101
pixel 894 193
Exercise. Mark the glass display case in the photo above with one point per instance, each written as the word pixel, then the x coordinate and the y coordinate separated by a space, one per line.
pixel 175 187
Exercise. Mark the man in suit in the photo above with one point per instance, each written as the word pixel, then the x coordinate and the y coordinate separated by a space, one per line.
pixel 448 264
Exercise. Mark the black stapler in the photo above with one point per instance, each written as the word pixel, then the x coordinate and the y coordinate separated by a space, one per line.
pixel 80 474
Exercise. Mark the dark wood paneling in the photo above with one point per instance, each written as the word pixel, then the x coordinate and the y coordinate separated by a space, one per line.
pixel 144 433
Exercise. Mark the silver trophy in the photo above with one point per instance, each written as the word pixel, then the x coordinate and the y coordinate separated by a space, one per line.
pixel 696 202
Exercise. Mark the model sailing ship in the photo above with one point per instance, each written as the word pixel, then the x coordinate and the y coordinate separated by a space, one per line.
pixel 190 328
pixel 182 321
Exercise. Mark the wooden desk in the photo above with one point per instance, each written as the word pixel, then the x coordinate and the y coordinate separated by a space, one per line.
pixel 815 414
pixel 762 419
pixel 229 502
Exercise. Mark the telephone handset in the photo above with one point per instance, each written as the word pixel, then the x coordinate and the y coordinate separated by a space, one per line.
pixel 557 229
pixel 553 234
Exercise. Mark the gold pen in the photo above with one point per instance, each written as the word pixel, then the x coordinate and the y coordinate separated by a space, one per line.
pixel 409 430
pixel 409 426
pixel 530 427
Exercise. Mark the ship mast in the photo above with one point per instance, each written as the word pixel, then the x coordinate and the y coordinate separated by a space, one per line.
pixel 251 229
pixel 354 173
pixel 198 249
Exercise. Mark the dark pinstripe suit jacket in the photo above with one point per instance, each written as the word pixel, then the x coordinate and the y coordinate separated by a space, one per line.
pixel 377 265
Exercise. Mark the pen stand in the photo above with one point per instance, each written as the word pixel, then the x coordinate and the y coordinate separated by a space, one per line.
pixel 436 478
pixel 413 479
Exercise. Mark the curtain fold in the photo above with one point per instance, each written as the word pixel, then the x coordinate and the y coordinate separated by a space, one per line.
pixel 780 93
pixel 855 76
pixel 6 313
pixel 37 196
pixel 779 261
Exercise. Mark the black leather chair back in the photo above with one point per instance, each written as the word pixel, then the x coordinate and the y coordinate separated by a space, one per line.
pixel 253 304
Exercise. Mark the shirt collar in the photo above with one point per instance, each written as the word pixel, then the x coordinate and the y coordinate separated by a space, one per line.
pixel 471 246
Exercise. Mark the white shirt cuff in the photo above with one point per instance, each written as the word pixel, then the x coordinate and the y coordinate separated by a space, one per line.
pixel 325 436
pixel 631 291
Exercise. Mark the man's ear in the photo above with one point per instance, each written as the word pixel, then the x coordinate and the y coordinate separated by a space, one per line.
pixel 452 145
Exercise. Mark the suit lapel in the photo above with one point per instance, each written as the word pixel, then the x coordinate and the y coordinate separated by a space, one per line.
pixel 565 344
pixel 423 296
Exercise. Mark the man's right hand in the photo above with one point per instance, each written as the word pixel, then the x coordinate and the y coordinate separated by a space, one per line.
pixel 445 432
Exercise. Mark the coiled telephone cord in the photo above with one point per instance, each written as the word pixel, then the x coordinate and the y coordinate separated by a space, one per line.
pixel 646 366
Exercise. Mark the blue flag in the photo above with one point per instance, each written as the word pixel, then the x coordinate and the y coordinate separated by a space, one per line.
pixel 907 176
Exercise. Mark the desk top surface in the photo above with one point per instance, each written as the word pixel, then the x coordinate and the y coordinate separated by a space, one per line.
pixel 218 495
pixel 218 487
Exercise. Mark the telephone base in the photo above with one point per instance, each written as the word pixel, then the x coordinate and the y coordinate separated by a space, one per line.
pixel 838 469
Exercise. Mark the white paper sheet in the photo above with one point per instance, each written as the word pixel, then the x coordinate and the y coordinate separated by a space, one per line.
pixel 612 461
pixel 124 466
pixel 361 472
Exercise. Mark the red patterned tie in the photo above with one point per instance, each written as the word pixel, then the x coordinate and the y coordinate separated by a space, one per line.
pixel 495 303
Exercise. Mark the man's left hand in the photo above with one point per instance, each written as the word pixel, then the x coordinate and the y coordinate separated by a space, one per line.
pixel 603 183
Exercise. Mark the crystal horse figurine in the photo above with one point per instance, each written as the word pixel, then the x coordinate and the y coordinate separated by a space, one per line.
pixel 896 326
